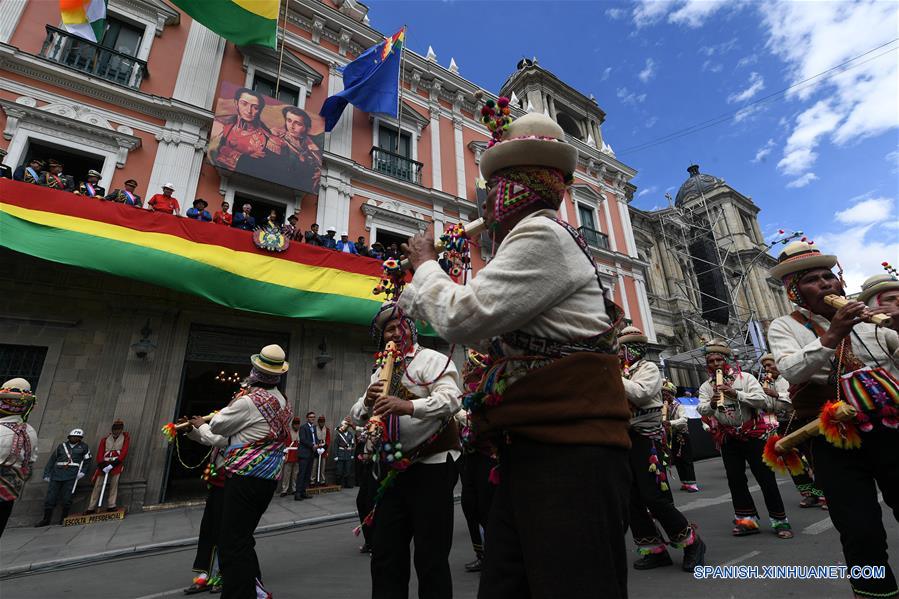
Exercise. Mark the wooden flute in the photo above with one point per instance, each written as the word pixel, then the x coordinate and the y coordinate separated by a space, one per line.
pixel 719 380
pixel 838 301
pixel 472 229
pixel 375 422
pixel 843 413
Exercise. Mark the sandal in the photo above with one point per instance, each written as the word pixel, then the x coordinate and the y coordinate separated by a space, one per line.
pixel 745 527
pixel 784 533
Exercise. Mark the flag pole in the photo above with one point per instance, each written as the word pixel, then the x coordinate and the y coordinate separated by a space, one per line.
pixel 283 43
pixel 399 101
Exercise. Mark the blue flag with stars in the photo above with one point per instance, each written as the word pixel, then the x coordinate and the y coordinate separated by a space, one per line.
pixel 371 82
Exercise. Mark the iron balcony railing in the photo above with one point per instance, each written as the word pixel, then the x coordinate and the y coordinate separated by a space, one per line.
pixel 395 165
pixel 77 53
pixel 594 238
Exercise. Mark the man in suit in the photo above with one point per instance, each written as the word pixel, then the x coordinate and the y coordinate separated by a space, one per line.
pixel 306 453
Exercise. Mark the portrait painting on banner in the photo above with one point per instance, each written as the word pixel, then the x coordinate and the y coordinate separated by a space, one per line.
pixel 261 137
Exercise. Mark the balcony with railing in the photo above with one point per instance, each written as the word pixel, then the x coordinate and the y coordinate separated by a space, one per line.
pixel 595 239
pixel 82 55
pixel 396 165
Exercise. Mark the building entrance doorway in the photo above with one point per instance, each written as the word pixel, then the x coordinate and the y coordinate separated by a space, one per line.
pixel 216 362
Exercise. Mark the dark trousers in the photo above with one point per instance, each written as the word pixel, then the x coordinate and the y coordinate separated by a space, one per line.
pixel 682 457
pixel 477 493
pixel 417 507
pixel 304 473
pixel 649 501
pixel 5 511
pixel 345 473
pixel 245 500
pixel 210 528
pixel 59 491
pixel 365 498
pixel 804 482
pixel 557 523
pixel 849 479
pixel 736 454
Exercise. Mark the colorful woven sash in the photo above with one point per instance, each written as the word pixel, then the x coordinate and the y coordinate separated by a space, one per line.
pixel 874 392
pixel 12 478
pixel 263 458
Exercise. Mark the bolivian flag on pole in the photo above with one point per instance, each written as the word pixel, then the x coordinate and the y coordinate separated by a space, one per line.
pixel 84 18
pixel 242 22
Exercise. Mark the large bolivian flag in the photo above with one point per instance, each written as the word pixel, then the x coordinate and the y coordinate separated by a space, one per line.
pixel 242 22
pixel 216 262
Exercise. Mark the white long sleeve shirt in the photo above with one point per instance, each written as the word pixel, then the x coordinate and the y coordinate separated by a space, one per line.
pixel 6 440
pixel 732 412
pixel 539 283
pixel 241 422
pixel 801 357
pixel 677 418
pixel 433 404
pixel 205 436
pixel 644 392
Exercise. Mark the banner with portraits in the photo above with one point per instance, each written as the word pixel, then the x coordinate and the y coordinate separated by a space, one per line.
pixel 261 137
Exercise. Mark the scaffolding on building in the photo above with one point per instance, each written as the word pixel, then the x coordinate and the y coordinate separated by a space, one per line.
pixel 683 225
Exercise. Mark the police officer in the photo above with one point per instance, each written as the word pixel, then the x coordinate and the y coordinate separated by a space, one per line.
pixel 68 463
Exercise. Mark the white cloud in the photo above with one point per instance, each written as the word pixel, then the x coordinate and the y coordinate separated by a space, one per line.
pixel 747 60
pixel 874 210
pixel 649 12
pixel 893 159
pixel 748 112
pixel 648 71
pixel 646 191
pixel 811 125
pixel 861 101
pixel 714 67
pixel 755 84
pixel 628 97
pixel 651 121
pixel 802 181
pixel 692 13
pixel 860 249
pixel 763 152
pixel 606 73
pixel 616 13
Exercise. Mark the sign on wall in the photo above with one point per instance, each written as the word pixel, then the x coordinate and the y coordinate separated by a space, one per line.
pixel 259 136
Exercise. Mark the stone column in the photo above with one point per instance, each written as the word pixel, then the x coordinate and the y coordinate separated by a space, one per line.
pixel 436 165
pixel 649 326
pixel 461 183
pixel 10 13
pixel 179 157
pixel 200 66
pixel 334 200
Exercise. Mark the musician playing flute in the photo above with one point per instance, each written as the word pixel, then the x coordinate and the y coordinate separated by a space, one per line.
pixel 651 497
pixel 777 388
pixel 552 400
pixel 420 399
pixel 814 346
pixel 676 423
pixel 732 407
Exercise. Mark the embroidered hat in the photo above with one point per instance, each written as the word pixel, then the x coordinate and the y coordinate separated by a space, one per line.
pixel 270 359
pixel 718 346
pixel 532 140
pixel 874 286
pixel 632 334
pixel 800 255
pixel 16 398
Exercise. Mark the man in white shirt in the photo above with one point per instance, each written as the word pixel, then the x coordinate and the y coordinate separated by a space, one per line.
pixel 420 400
pixel 556 408
pixel 18 443
pixel 814 346
pixel 257 425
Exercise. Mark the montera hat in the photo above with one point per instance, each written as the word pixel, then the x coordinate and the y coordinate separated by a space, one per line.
pixel 718 346
pixel 800 255
pixel 532 140
pixel 874 286
pixel 270 359
pixel 632 334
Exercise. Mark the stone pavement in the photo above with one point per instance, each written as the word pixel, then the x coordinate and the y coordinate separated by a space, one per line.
pixel 30 549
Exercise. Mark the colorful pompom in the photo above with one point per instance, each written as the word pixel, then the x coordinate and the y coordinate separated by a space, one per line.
pixel 842 434
pixel 781 463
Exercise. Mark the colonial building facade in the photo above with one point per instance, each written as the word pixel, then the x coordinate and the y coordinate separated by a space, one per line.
pixel 709 231
pixel 140 105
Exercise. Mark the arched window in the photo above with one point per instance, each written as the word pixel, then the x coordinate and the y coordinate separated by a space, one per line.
pixel 569 125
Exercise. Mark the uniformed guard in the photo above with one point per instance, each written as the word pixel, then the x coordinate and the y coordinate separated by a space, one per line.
pixel 67 465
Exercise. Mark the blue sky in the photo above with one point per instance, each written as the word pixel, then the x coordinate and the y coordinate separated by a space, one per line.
pixel 821 158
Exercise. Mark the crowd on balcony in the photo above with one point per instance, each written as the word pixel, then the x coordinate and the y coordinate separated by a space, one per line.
pixel 50 174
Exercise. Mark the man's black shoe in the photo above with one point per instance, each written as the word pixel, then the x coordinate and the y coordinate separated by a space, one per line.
pixel 694 555
pixel 653 560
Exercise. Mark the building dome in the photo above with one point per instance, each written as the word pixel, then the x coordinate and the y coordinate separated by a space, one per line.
pixel 696 185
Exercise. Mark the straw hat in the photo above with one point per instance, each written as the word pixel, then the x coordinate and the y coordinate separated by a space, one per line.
pixel 766 357
pixel 718 346
pixel 874 286
pixel 14 388
pixel 632 334
pixel 270 359
pixel 532 140
pixel 800 255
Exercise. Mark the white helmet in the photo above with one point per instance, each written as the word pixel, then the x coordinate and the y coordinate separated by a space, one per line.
pixel 76 432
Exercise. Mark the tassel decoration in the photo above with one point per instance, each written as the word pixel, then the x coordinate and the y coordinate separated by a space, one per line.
pixel 843 435
pixel 781 463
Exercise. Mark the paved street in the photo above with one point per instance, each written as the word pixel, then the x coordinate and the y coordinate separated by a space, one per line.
pixel 322 560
